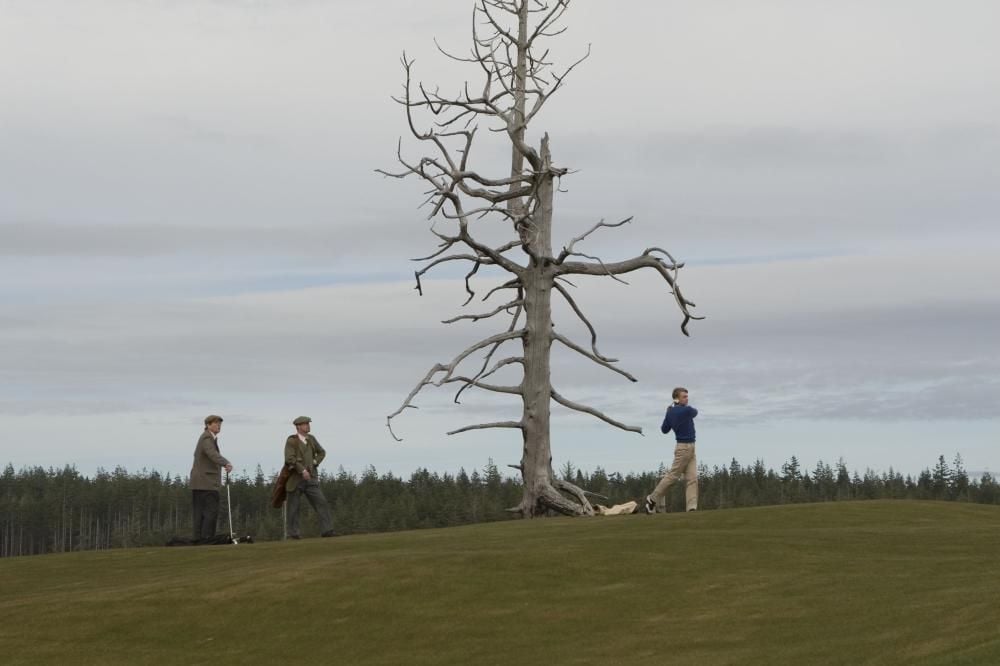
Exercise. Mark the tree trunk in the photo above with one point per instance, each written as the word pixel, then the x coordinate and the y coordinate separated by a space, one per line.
pixel 541 487
pixel 536 460
pixel 540 495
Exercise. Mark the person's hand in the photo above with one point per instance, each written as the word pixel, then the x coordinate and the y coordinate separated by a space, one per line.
pixel 306 475
pixel 229 468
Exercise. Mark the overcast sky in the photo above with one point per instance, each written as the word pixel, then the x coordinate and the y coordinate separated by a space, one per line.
pixel 190 223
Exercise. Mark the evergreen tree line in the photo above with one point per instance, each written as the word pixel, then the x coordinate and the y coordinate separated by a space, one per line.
pixel 61 510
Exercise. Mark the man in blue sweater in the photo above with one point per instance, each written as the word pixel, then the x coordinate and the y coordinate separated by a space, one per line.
pixel 680 419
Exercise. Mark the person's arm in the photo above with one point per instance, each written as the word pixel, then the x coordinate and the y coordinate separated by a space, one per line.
pixel 665 428
pixel 320 452
pixel 693 412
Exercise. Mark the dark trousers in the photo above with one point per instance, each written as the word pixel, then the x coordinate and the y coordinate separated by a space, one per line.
pixel 205 513
pixel 312 492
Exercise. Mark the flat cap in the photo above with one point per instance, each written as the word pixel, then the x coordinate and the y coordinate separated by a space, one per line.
pixel 212 418
pixel 301 420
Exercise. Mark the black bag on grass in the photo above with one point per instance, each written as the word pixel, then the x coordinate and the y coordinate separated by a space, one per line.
pixel 217 540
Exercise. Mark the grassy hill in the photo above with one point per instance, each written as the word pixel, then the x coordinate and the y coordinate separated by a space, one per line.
pixel 866 582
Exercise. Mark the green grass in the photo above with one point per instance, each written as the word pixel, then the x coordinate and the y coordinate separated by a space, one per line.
pixel 866 582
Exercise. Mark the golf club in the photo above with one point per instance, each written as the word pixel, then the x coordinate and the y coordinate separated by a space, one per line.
pixel 229 510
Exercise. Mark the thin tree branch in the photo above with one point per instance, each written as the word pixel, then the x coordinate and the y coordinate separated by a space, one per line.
pixel 593 357
pixel 468 287
pixel 477 317
pixel 479 375
pixel 512 390
pixel 510 284
pixel 593 412
pixel 481 426
pixel 448 370
pixel 569 249
pixel 590 327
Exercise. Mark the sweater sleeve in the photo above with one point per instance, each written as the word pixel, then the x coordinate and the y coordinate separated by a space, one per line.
pixel 665 428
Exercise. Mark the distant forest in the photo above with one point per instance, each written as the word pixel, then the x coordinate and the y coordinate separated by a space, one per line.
pixel 60 510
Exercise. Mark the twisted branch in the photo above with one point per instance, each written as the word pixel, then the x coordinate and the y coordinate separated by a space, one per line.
pixel 645 260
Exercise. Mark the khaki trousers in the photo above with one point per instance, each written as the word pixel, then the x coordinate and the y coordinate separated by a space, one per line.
pixel 686 465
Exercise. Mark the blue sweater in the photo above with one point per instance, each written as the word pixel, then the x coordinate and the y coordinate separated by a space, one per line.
pixel 680 419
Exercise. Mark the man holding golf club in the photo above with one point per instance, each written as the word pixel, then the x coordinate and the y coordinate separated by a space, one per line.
pixel 680 419
pixel 206 479
pixel 303 454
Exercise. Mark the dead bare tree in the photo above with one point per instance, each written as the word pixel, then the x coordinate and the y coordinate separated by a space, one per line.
pixel 518 81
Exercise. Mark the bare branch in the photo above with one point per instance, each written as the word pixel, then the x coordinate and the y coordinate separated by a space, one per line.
pixel 590 327
pixel 451 56
pixel 493 349
pixel 504 362
pixel 510 284
pixel 455 257
pixel 511 390
pixel 593 412
pixel 645 260
pixel 593 357
pixel 468 288
pixel 477 317
pixel 444 247
pixel 544 97
pixel 553 16
pixel 496 26
pixel 600 262
pixel 481 426
pixel 568 250
pixel 448 370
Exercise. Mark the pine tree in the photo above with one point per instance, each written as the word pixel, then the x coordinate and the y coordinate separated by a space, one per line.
pixel 940 479
pixel 959 479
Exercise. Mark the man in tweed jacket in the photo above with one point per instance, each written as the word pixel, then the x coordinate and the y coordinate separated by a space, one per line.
pixel 303 454
pixel 206 479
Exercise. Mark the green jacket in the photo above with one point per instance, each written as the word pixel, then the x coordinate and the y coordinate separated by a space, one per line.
pixel 205 471
pixel 300 457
